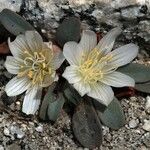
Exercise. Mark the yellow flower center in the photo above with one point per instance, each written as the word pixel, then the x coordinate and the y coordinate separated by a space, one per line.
pixel 36 66
pixel 91 67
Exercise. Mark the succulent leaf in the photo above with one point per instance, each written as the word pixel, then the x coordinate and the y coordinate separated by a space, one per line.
pixel 14 23
pixel 143 87
pixel 140 73
pixel 86 125
pixel 69 30
pixel 113 115
pixel 55 107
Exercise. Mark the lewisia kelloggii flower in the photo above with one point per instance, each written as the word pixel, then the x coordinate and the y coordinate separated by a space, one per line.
pixel 35 63
pixel 93 66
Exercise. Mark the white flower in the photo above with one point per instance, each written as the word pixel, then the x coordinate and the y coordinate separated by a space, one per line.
pixel 34 62
pixel 93 67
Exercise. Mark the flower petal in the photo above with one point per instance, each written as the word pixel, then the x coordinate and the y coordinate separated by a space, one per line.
pixel 73 51
pixel 117 79
pixel 48 80
pixel 82 88
pixel 17 86
pixel 105 45
pixel 71 74
pixel 12 64
pixel 18 45
pixel 32 100
pixel 88 41
pixel 58 59
pixel 102 93
pixel 70 52
pixel 123 55
pixel 34 40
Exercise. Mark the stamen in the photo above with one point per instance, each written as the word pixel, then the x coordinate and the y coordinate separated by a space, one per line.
pixel 21 74
pixel 26 60
pixel 34 80
pixel 30 74
pixel 44 65
pixel 21 67
pixel 26 52
pixel 35 66
pixel 91 69
pixel 41 54
pixel 36 55
pixel 49 70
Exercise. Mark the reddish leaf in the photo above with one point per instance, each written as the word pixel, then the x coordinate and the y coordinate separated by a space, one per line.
pixel 4 49
pixel 99 36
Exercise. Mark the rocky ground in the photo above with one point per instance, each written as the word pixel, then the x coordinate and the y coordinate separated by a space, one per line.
pixel 20 132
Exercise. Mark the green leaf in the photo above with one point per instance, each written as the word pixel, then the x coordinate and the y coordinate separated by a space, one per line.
pixel 14 23
pixel 113 116
pixel 72 95
pixel 48 97
pixel 144 87
pixel 55 107
pixel 140 73
pixel 69 30
pixel 86 125
pixel 4 34
pixel 69 96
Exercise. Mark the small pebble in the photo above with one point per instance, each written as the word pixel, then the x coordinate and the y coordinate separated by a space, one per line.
pixel 143 148
pixel 146 125
pixel 14 146
pixel 1 119
pixel 39 128
pixel 16 130
pixel 18 103
pixel 1 147
pixel 6 132
pixel 146 140
pixel 147 105
pixel 133 123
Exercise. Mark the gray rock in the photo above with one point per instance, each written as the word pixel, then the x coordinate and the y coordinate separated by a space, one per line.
pixel 6 131
pixel 14 147
pixel 1 147
pixel 146 125
pixel 131 13
pixel 108 17
pixel 120 3
pixel 39 128
pixel 51 9
pixel 133 123
pixel 10 4
pixel 16 130
pixel 146 140
pixel 147 105
pixel 144 29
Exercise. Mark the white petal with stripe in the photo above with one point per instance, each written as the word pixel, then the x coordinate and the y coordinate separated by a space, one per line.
pixel 12 64
pixel 105 45
pixel 82 88
pixel 117 79
pixel 17 86
pixel 34 40
pixel 88 41
pixel 70 52
pixel 123 55
pixel 102 93
pixel 71 74
pixel 32 100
